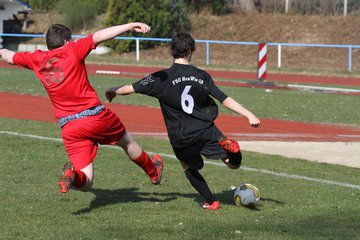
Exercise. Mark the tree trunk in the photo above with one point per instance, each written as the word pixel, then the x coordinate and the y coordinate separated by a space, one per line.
pixel 246 6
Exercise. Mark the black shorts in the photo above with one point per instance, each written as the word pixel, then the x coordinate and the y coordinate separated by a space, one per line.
pixel 206 144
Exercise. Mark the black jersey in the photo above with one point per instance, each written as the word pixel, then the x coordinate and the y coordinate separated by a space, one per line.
pixel 184 93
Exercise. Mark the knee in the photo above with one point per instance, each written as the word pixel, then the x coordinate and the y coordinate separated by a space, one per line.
pixel 234 160
pixel 134 151
pixel 198 165
pixel 232 163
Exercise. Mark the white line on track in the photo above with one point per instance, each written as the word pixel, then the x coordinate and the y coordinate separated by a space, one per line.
pixel 317 88
pixel 107 72
pixel 350 136
pixel 278 174
pixel 149 134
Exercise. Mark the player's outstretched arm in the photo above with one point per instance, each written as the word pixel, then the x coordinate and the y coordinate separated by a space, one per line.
pixel 112 32
pixel 7 55
pixel 233 105
pixel 111 93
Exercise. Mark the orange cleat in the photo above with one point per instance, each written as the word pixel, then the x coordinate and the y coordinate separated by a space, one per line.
pixel 214 206
pixel 66 178
pixel 230 145
pixel 159 164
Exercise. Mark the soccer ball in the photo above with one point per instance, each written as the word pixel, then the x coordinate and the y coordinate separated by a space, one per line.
pixel 246 195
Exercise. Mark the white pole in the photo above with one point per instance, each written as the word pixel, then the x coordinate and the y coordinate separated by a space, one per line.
pixel 286 6
pixel 137 50
pixel 1 31
pixel 279 56
pixel 345 7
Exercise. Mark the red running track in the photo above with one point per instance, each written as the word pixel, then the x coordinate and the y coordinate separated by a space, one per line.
pixel 148 121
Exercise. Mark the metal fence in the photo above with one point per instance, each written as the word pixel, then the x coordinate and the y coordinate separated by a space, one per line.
pixel 309 7
pixel 209 43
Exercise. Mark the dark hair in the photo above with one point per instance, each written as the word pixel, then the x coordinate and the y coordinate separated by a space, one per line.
pixel 56 35
pixel 182 45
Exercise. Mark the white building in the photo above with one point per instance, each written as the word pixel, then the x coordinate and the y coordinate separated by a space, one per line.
pixel 8 8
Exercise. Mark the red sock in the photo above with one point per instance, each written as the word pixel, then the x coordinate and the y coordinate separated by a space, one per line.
pixel 80 179
pixel 146 164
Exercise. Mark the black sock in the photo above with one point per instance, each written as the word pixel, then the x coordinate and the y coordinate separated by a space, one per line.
pixel 199 183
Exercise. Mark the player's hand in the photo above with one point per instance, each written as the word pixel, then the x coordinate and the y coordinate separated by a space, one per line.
pixel 110 94
pixel 254 122
pixel 141 27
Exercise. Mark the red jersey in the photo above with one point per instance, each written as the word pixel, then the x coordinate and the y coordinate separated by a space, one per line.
pixel 62 71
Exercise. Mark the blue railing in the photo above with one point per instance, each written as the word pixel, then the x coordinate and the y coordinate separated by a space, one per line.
pixel 208 42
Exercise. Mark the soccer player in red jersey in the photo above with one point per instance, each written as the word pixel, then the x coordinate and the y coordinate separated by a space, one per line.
pixel 185 96
pixel 85 122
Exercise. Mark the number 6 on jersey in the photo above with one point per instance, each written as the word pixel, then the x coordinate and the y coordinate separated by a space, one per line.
pixel 187 101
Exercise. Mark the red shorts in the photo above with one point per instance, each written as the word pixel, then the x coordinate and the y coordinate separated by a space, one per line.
pixel 82 136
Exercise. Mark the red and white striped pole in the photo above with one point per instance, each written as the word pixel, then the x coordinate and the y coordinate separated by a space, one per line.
pixel 261 74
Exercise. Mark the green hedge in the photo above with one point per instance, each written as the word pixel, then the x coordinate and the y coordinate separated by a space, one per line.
pixel 165 17
pixel 81 14
pixel 43 5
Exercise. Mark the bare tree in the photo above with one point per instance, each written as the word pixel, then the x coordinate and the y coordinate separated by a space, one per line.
pixel 246 6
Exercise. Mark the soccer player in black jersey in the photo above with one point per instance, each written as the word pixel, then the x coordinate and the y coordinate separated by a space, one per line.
pixel 184 93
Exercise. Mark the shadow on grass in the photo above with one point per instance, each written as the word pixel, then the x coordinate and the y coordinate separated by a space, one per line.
pixel 227 197
pixel 105 197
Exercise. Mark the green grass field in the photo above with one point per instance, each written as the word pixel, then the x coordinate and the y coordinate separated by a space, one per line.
pixel 123 204
pixel 299 199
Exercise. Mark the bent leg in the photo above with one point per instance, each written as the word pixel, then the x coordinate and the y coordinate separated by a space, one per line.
pixel 191 162
pixel 81 149
pixel 198 182
pixel 71 177
pixel 138 155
